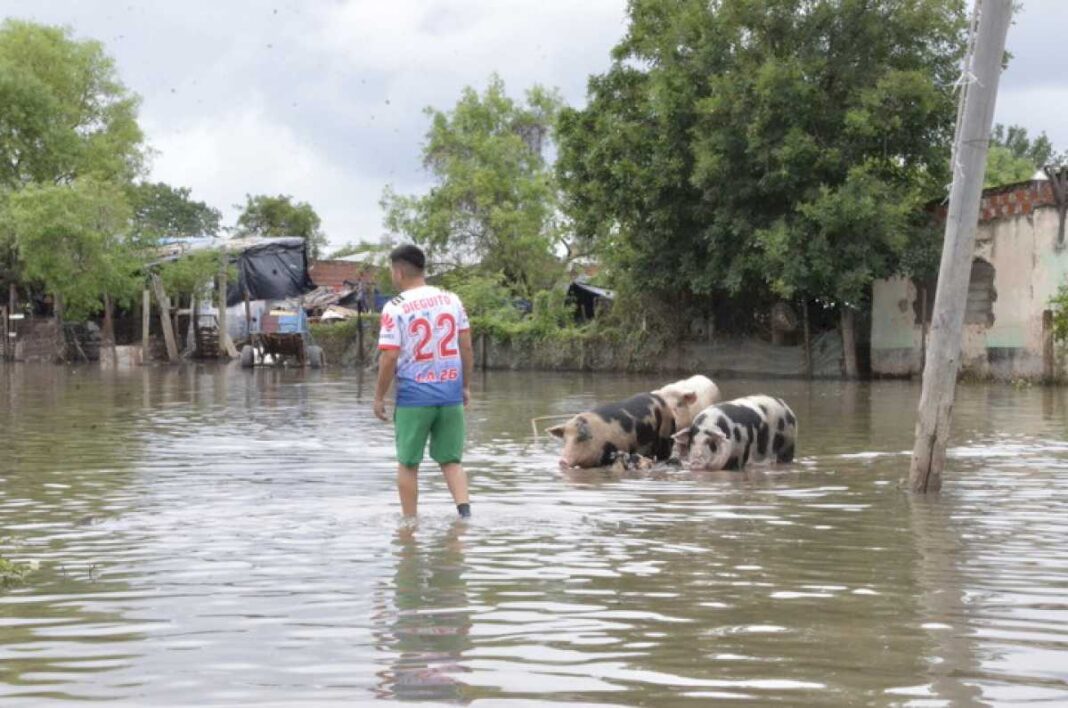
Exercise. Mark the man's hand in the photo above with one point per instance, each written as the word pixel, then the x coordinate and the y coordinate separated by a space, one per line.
pixel 467 396
pixel 380 410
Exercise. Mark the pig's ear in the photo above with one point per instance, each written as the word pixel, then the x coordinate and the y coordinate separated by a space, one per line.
pixel 717 434
pixel 557 431
pixel 683 436
pixel 689 398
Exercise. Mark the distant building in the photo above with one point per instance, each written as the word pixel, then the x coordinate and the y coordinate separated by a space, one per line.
pixel 341 275
pixel 1020 261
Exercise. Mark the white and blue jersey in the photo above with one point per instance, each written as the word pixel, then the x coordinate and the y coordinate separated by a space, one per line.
pixel 424 324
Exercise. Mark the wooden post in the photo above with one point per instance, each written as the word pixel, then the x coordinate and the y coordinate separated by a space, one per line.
pixel 226 345
pixel 165 318
pixel 146 323
pixel 359 337
pixel 807 331
pixel 1048 360
pixel 12 298
pixel 248 318
pixel 61 336
pixel 969 166
pixel 191 328
pixel 849 341
pixel 4 333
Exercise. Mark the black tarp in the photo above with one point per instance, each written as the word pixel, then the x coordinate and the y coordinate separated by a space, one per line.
pixel 272 270
pixel 587 299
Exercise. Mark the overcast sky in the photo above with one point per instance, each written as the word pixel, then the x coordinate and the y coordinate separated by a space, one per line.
pixel 323 99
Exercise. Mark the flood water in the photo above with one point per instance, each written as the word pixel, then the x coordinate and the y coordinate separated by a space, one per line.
pixel 211 536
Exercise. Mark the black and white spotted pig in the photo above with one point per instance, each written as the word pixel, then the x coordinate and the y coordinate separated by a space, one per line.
pixel 728 436
pixel 642 424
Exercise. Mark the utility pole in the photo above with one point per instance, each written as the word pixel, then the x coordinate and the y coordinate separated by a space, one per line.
pixel 975 116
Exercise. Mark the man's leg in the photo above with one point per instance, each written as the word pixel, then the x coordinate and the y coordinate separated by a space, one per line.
pixel 447 449
pixel 408 488
pixel 456 478
pixel 411 427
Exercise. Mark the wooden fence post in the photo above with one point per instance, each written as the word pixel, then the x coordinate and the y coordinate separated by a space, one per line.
pixel 165 318
pixel 146 323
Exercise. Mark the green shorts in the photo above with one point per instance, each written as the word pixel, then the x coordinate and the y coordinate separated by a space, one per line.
pixel 444 425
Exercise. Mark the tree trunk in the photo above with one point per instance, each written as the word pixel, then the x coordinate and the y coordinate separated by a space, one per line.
pixel 807 330
pixel 226 346
pixel 849 341
pixel 108 335
pixel 12 299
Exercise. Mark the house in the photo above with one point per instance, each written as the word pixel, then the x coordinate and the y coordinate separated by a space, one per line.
pixel 341 275
pixel 1020 261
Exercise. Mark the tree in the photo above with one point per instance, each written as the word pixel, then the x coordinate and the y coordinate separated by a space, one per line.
pixel 64 115
pixel 1014 157
pixel 495 200
pixel 69 237
pixel 162 210
pixel 280 216
pixel 719 153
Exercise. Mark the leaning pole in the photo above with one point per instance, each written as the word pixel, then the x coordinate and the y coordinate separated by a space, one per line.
pixel 976 114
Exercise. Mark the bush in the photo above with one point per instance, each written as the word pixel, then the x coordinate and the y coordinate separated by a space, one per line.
pixel 1059 305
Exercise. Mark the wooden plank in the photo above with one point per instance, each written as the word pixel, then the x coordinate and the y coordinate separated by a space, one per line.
pixel 165 318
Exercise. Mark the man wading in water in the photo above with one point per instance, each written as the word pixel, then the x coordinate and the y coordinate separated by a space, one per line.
pixel 425 341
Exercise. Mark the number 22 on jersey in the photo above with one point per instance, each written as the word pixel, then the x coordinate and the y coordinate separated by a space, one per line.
pixel 444 327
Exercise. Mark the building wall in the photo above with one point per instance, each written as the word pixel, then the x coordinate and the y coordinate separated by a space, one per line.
pixel 1020 242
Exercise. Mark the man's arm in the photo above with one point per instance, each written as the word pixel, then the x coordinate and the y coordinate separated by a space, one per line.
pixel 467 356
pixel 387 369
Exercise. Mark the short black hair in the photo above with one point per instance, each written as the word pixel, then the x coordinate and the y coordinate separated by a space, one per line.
pixel 412 255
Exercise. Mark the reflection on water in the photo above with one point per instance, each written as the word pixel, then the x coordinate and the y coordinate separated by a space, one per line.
pixel 424 617
pixel 209 535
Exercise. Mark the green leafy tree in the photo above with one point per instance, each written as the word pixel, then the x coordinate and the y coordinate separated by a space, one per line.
pixel 264 215
pixel 64 114
pixel 494 201
pixel 743 143
pixel 69 237
pixel 162 210
pixel 192 273
pixel 1015 157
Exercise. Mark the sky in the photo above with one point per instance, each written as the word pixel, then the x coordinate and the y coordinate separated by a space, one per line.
pixel 323 99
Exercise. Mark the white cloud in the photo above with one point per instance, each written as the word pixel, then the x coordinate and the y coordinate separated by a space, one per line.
pixel 243 151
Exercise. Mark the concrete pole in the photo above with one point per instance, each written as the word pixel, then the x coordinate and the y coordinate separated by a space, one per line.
pixel 969 168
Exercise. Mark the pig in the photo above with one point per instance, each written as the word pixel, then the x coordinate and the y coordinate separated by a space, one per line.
pixel 689 397
pixel 730 435
pixel 642 424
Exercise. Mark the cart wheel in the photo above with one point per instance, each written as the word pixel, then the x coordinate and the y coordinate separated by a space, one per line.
pixel 248 357
pixel 314 357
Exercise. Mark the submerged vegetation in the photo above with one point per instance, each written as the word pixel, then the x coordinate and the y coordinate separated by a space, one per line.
pixel 12 573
